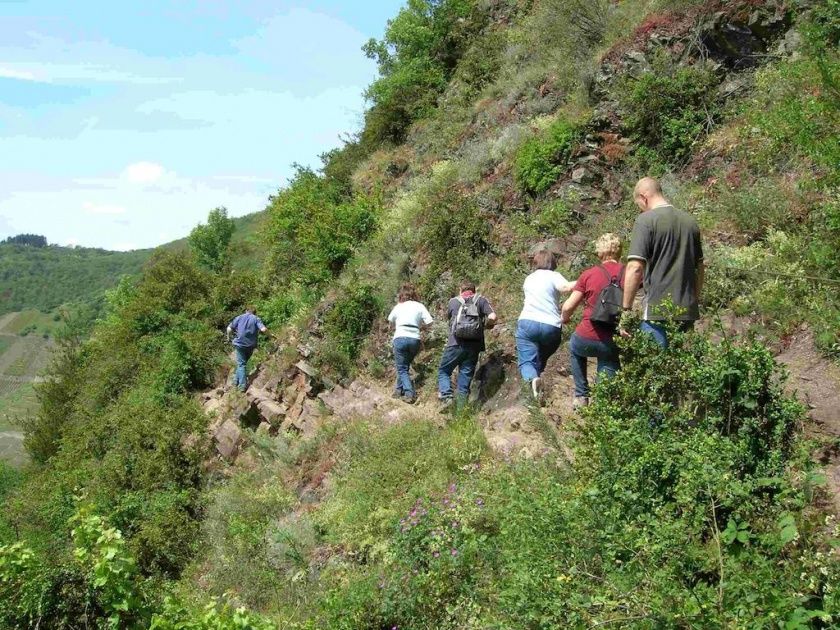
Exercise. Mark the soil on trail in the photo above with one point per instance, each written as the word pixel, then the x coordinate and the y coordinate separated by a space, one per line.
pixel 816 382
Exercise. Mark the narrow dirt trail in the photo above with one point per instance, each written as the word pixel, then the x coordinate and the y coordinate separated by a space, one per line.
pixel 816 382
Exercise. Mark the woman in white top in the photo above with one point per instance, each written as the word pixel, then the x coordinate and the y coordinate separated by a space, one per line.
pixel 539 330
pixel 409 316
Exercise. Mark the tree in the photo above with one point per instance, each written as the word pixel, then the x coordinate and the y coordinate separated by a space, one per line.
pixel 33 240
pixel 211 242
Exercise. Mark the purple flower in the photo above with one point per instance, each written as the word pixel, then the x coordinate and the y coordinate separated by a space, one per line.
pixel 479 502
pixel 436 554
pixel 454 552
pixel 452 488
pixel 455 524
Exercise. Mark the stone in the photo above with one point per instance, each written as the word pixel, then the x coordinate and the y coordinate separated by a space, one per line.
pixel 227 438
pixel 581 175
pixel 307 369
pixel 272 411
pixel 212 406
pixel 264 429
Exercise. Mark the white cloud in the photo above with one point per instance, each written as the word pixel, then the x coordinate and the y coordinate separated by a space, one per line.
pixel 143 172
pixel 102 208
pixel 11 73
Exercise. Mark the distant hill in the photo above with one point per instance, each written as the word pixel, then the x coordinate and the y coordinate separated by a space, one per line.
pixel 44 277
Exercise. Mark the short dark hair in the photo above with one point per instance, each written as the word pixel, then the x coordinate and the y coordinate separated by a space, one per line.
pixel 250 308
pixel 467 285
pixel 545 259
pixel 407 292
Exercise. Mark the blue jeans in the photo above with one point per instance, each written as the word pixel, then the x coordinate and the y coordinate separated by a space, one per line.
pixel 465 359
pixel 405 349
pixel 242 356
pixel 658 332
pixel 535 343
pixel 580 349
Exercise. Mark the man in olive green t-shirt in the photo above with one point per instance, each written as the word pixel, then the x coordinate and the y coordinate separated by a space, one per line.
pixel 665 252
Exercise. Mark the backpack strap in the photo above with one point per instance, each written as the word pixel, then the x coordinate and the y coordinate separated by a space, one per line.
pixel 619 278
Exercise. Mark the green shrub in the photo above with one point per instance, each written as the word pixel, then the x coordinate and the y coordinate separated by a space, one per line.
pixel 211 242
pixel 684 508
pixel 456 236
pixel 668 111
pixel 543 158
pixel 313 229
pixel 351 317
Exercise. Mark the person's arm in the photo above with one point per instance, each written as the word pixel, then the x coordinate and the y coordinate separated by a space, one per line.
pixel 426 318
pixel 569 306
pixel 563 285
pixel 633 276
pixel 489 313
pixel 261 326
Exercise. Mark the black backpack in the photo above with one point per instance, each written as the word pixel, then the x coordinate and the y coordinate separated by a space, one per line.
pixel 468 324
pixel 607 309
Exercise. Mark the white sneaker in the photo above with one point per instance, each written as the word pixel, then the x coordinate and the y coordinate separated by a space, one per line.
pixel 537 389
pixel 579 402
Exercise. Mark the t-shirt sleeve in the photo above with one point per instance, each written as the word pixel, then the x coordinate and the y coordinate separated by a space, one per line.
pixel 641 240
pixel 580 285
pixel 560 281
pixel 425 315
pixel 452 308
pixel 392 316
pixel 234 323
pixel 484 307
pixel 260 324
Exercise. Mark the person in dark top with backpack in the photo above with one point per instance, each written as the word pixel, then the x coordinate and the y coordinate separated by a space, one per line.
pixel 469 315
pixel 600 289
pixel 247 328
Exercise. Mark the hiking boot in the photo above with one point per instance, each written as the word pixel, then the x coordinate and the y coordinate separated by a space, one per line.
pixel 409 399
pixel 446 403
pixel 579 402
pixel 537 389
pixel 396 394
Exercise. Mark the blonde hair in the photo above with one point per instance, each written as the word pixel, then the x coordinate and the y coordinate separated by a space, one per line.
pixel 608 246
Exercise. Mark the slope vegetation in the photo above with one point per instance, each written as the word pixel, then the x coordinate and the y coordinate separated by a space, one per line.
pixel 685 496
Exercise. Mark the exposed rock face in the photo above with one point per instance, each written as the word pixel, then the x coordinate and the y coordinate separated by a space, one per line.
pixel 228 439
pixel 356 401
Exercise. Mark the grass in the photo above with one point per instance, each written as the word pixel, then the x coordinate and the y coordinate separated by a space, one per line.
pixel 15 404
pixel 32 321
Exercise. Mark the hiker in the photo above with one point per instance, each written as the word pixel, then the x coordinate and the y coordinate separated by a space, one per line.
pixel 247 328
pixel 599 289
pixel 539 330
pixel 665 253
pixel 409 317
pixel 469 315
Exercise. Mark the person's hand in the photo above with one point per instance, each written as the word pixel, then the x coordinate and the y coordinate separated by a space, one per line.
pixel 626 324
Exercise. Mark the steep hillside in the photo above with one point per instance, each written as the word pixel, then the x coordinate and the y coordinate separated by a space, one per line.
pixel 691 493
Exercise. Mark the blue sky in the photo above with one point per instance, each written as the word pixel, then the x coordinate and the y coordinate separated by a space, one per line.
pixel 123 123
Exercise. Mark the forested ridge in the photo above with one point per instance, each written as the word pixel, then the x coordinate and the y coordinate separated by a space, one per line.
pixel 696 491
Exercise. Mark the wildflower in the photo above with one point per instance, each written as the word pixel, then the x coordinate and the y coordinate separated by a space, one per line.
pixel 436 554
pixel 454 552
pixel 452 488
pixel 479 502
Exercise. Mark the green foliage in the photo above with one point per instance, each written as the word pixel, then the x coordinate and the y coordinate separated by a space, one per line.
pixel 313 229
pixel 384 473
pixel 543 158
pixel 416 58
pixel 684 509
pixel 668 111
pixel 790 115
pixel 45 278
pixel 455 234
pixel 31 240
pixel 211 242
pixel 351 317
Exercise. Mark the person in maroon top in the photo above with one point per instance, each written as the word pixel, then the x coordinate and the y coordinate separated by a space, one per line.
pixel 591 339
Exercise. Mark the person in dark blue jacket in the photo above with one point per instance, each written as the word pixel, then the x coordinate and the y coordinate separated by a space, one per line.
pixel 247 328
